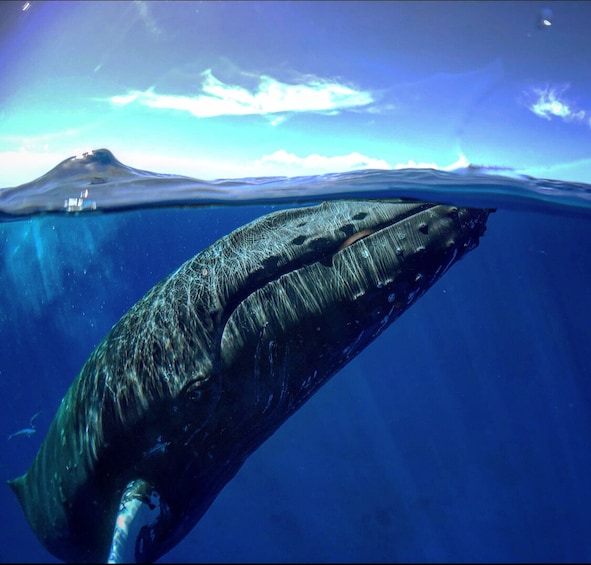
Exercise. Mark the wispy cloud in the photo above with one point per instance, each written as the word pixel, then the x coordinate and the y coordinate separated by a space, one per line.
pixel 321 162
pixel 290 163
pixel 217 98
pixel 460 163
pixel 145 14
pixel 550 102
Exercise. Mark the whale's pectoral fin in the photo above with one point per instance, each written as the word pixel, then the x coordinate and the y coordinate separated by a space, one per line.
pixel 139 511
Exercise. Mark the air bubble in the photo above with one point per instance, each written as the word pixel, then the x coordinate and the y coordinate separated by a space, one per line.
pixel 545 18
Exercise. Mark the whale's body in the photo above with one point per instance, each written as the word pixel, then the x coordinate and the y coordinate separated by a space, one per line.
pixel 214 358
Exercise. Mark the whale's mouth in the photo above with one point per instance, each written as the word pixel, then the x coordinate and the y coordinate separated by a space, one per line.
pixel 319 246
pixel 356 237
pixel 375 235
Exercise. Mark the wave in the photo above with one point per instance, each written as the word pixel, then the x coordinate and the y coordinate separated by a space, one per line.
pixel 97 182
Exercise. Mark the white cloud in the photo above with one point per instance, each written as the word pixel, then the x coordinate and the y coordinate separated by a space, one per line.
pixel 284 163
pixel 461 163
pixel 322 163
pixel 270 97
pixel 549 102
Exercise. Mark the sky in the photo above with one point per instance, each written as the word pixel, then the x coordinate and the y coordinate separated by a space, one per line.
pixel 233 89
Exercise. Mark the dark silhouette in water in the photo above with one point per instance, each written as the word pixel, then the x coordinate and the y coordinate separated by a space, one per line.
pixel 212 360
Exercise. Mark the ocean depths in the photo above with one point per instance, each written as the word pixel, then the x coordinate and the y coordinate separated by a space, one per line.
pixel 461 434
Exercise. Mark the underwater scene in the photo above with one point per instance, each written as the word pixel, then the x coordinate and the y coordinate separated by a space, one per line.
pixel 295 281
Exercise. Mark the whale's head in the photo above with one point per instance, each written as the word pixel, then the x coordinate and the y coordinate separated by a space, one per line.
pixel 216 357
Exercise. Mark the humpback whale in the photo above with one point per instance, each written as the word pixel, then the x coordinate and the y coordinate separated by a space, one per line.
pixel 215 357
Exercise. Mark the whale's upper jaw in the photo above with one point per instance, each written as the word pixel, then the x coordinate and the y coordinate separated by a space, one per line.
pixel 259 321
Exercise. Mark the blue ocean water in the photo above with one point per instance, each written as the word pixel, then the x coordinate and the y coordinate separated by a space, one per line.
pixel 461 434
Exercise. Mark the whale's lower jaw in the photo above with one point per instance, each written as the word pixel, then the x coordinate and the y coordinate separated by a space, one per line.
pixel 214 358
